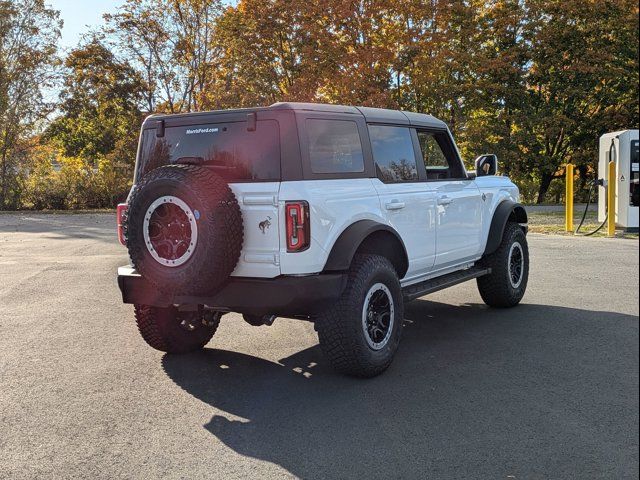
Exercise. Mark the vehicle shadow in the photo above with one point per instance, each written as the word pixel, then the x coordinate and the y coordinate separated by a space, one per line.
pixel 473 393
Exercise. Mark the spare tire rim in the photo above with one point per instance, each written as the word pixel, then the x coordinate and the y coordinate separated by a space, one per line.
pixel 170 231
pixel 378 316
pixel 516 264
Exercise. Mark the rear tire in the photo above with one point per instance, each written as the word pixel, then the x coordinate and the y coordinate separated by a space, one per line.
pixel 170 331
pixel 361 332
pixel 505 286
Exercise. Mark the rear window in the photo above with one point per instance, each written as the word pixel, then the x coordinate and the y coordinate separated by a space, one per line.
pixel 232 151
pixel 334 146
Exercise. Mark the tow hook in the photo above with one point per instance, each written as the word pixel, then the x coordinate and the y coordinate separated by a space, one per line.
pixel 192 315
pixel 188 316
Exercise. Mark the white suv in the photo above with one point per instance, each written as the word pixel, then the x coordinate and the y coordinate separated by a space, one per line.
pixel 333 214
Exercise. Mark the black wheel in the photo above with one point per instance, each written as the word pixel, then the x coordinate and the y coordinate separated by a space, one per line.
pixel 507 283
pixel 170 331
pixel 184 229
pixel 360 333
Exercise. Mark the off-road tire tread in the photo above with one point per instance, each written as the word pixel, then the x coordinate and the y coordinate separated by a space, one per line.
pixel 148 318
pixel 223 221
pixel 341 340
pixel 495 288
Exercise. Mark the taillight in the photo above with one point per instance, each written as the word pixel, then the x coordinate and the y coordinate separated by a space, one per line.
pixel 121 213
pixel 298 225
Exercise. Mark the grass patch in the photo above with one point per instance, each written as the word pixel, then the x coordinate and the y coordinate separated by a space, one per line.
pixel 553 223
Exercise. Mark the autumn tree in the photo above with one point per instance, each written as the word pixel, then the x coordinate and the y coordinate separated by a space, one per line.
pixel 438 62
pixel 272 51
pixel 29 31
pixel 536 82
pixel 358 43
pixel 168 41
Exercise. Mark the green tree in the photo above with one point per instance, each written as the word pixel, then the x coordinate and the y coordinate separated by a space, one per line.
pixel 497 96
pixel 99 103
pixel 98 126
pixel 582 81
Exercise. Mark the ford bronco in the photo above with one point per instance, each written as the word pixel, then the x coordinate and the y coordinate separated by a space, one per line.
pixel 333 214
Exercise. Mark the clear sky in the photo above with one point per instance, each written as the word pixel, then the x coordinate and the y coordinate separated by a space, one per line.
pixel 80 16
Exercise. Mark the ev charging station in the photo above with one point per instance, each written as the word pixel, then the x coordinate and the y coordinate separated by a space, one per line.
pixel 622 149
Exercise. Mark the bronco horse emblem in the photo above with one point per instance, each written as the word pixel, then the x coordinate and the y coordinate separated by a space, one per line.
pixel 264 225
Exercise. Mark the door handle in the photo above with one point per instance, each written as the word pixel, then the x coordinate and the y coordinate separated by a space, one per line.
pixel 394 205
pixel 444 200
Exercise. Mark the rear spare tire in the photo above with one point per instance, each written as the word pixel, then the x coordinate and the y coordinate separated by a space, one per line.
pixel 184 229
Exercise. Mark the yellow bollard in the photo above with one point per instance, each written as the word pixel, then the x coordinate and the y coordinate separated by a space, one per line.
pixel 611 200
pixel 568 213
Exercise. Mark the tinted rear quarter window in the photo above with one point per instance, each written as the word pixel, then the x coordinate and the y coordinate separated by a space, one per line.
pixel 393 153
pixel 232 151
pixel 334 146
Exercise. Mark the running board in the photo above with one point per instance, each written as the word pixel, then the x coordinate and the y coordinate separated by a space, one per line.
pixel 440 283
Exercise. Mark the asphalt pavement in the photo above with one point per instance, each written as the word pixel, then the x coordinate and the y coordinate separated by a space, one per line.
pixel 545 390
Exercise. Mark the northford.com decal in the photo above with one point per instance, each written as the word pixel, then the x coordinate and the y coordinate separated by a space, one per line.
pixel 198 131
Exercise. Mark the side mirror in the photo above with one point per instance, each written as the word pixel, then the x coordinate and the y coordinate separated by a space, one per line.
pixel 486 165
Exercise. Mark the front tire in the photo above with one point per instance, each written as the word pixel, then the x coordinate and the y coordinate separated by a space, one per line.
pixel 361 332
pixel 171 331
pixel 505 286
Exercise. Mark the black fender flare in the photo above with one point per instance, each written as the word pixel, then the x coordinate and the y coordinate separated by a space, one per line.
pixel 505 211
pixel 351 238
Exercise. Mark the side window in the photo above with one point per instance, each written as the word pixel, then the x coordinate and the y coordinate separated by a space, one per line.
pixel 431 151
pixel 438 164
pixel 334 146
pixel 393 153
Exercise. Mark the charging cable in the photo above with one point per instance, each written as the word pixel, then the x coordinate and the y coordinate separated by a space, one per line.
pixel 595 183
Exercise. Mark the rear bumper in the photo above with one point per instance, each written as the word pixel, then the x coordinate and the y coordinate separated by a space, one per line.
pixel 285 295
